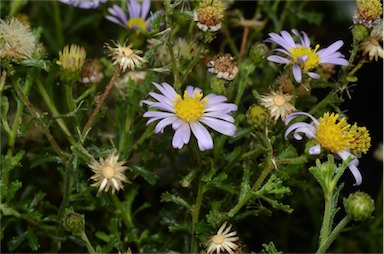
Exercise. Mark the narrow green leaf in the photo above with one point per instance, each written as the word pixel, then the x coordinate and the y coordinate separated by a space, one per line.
pixel 150 177
pixel 168 197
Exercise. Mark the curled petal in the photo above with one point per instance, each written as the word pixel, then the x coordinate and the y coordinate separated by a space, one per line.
pixel 315 150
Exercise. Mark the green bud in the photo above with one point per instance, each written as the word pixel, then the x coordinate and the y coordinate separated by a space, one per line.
pixel 258 116
pixel 74 222
pixel 359 33
pixel 218 85
pixel 257 53
pixel 359 206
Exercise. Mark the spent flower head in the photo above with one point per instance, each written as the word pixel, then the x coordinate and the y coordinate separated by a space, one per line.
pixel 124 55
pixel 278 104
pixel 92 71
pixel 209 15
pixel 188 112
pixel 138 15
pixel 223 241
pixel 301 56
pixel 372 46
pixel 16 39
pixel 84 4
pixel 72 58
pixel 332 134
pixel 224 66
pixel 109 173
pixel 368 12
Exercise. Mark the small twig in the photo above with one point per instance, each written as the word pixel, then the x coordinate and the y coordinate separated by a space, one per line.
pixel 101 100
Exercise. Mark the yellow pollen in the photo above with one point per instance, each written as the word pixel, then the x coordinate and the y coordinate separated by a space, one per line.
pixel 331 135
pixel 189 109
pixel 137 22
pixel 279 100
pixel 369 9
pixel 218 239
pixel 312 58
pixel 361 140
pixel 109 172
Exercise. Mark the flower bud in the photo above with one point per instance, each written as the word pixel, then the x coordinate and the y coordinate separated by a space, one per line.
pixel 359 206
pixel 360 33
pixel 218 85
pixel 257 53
pixel 74 222
pixel 258 116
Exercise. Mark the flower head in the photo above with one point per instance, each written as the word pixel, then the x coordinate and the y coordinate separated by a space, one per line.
pixel 334 135
pixel 209 15
pixel 224 240
pixel 125 56
pixel 72 58
pixel 138 13
pixel 302 57
pixel 368 12
pixel 109 173
pixel 359 206
pixel 278 104
pixel 372 46
pixel 16 39
pixel 189 112
pixel 224 66
pixel 84 4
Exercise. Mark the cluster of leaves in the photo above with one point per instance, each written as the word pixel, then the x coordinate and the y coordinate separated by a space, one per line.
pixel 177 199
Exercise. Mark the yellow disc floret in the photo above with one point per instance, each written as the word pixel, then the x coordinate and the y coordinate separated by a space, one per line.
pixel 369 9
pixel 137 22
pixel 333 135
pixel 189 109
pixel 312 58
pixel 361 140
pixel 210 12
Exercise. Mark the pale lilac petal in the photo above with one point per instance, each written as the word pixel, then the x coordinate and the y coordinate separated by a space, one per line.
pixel 203 137
pixel 167 90
pixel 331 48
pixel 288 39
pixel 177 123
pixel 116 21
pixel 352 165
pixel 164 123
pixel 182 134
pixel 220 126
pixel 145 8
pixel 157 114
pixel 162 99
pixel 313 75
pixel 301 127
pixel 296 73
pixel 220 115
pixel 214 99
pixel 161 106
pixel 278 59
pixel 134 9
pixel 298 114
pixel 222 107
pixel 315 150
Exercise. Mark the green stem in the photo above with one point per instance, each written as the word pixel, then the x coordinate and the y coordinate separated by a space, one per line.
pixel 326 218
pixel 19 112
pixel 196 212
pixel 36 115
pixel 88 244
pixel 54 111
pixel 332 236
pixel 243 200
pixel 58 26
pixel 69 97
pixel 126 215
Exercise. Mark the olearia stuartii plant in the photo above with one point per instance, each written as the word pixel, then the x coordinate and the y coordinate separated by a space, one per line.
pixel 187 126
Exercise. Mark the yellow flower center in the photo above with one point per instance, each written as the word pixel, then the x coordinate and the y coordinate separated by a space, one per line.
pixel 137 22
pixel 279 100
pixel 218 239
pixel 369 9
pixel 331 135
pixel 361 140
pixel 189 109
pixel 210 12
pixel 109 172
pixel 72 58
pixel 312 58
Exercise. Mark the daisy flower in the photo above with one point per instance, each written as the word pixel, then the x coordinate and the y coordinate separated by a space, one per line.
pixel 137 15
pixel 209 15
pixel 125 56
pixel 224 66
pixel 109 173
pixel 278 104
pixel 302 57
pixel 368 12
pixel 224 240
pixel 84 4
pixel 189 112
pixel 334 135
